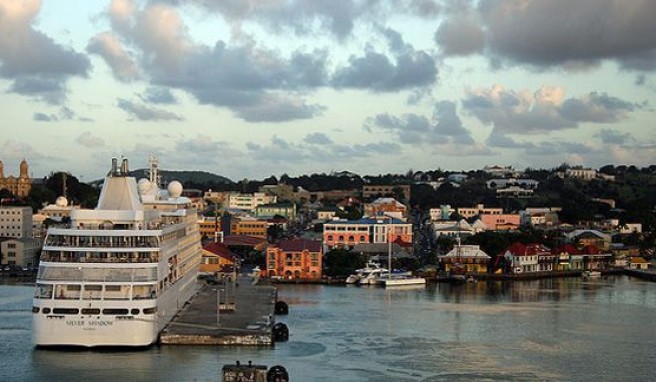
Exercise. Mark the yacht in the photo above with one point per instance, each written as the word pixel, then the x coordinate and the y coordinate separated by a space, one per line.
pixel 117 274
pixel 364 273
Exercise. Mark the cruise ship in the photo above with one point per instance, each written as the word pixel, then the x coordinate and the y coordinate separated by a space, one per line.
pixel 117 274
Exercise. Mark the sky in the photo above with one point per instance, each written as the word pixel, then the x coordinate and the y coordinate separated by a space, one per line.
pixel 253 88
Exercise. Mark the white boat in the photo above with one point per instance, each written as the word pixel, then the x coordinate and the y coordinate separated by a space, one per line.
pixel 402 281
pixel 117 274
pixel 363 273
pixel 591 274
pixel 371 276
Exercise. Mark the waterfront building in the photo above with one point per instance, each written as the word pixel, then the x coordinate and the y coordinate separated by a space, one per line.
pixel 16 221
pixel 567 257
pixel 216 258
pixel 638 263
pixel 19 186
pixel 525 258
pixel 22 252
pixel 347 233
pixel 386 206
pixel 595 259
pixel 468 258
pixel 295 259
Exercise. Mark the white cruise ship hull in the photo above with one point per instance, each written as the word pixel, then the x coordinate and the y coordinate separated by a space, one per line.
pixel 138 329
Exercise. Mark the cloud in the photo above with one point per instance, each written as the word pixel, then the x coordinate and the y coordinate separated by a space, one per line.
pixel 123 67
pixel 375 71
pixel 302 17
pixel 571 34
pixel 556 147
pixel 257 84
pixel 89 140
pixel 544 110
pixel 144 113
pixel 317 139
pixel 37 65
pixel 609 136
pixel 41 117
pixel 462 33
pixel 63 114
pixel 445 132
pixel 158 95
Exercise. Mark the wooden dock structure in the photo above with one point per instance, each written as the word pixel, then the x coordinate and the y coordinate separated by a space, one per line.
pixel 245 318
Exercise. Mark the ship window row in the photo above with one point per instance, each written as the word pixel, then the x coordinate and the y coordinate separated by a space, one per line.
pixel 102 241
pixel 95 292
pixel 94 311
pixel 99 257
pixel 98 274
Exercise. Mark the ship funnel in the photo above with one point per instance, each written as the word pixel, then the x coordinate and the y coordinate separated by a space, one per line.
pixel 124 167
pixel 114 166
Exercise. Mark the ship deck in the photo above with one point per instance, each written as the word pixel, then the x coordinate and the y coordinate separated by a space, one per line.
pixel 246 316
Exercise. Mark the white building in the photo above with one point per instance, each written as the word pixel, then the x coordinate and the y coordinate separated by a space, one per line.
pixel 22 251
pixel 581 173
pixel 249 201
pixel 16 221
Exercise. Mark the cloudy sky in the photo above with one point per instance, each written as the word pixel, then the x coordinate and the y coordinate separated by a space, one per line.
pixel 252 88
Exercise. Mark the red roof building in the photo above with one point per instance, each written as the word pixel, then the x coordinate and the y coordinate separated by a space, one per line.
pixel 217 257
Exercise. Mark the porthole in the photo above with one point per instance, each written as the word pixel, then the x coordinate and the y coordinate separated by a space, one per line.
pixel 46 311
pixel 134 311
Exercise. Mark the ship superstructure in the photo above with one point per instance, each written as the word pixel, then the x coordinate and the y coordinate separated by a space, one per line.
pixel 117 274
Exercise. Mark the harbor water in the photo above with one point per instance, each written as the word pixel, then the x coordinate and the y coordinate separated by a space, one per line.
pixel 543 330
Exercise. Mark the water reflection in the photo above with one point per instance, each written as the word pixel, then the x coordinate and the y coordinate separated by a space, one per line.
pixel 551 329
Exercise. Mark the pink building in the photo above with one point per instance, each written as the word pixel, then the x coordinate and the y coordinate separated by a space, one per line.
pixel 500 222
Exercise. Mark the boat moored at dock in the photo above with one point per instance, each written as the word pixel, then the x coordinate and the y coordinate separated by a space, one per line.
pixel 117 274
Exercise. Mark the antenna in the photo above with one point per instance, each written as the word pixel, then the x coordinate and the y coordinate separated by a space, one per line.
pixel 64 188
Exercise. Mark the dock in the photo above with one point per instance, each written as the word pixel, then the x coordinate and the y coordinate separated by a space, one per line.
pixel 245 318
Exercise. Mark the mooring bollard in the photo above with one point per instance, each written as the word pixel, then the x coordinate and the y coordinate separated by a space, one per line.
pixel 281 308
pixel 280 332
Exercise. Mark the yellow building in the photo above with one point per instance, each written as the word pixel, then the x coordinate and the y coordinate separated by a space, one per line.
pixel 20 186
pixel 217 258
pixel 249 227
pixel 209 226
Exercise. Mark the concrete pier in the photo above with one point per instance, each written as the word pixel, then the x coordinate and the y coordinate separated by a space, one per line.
pixel 245 318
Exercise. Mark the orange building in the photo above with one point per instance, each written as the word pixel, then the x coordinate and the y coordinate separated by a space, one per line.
pixel 209 226
pixel 217 258
pixel 295 259
pixel 249 227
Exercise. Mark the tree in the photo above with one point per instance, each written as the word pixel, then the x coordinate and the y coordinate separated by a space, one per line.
pixel 341 262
